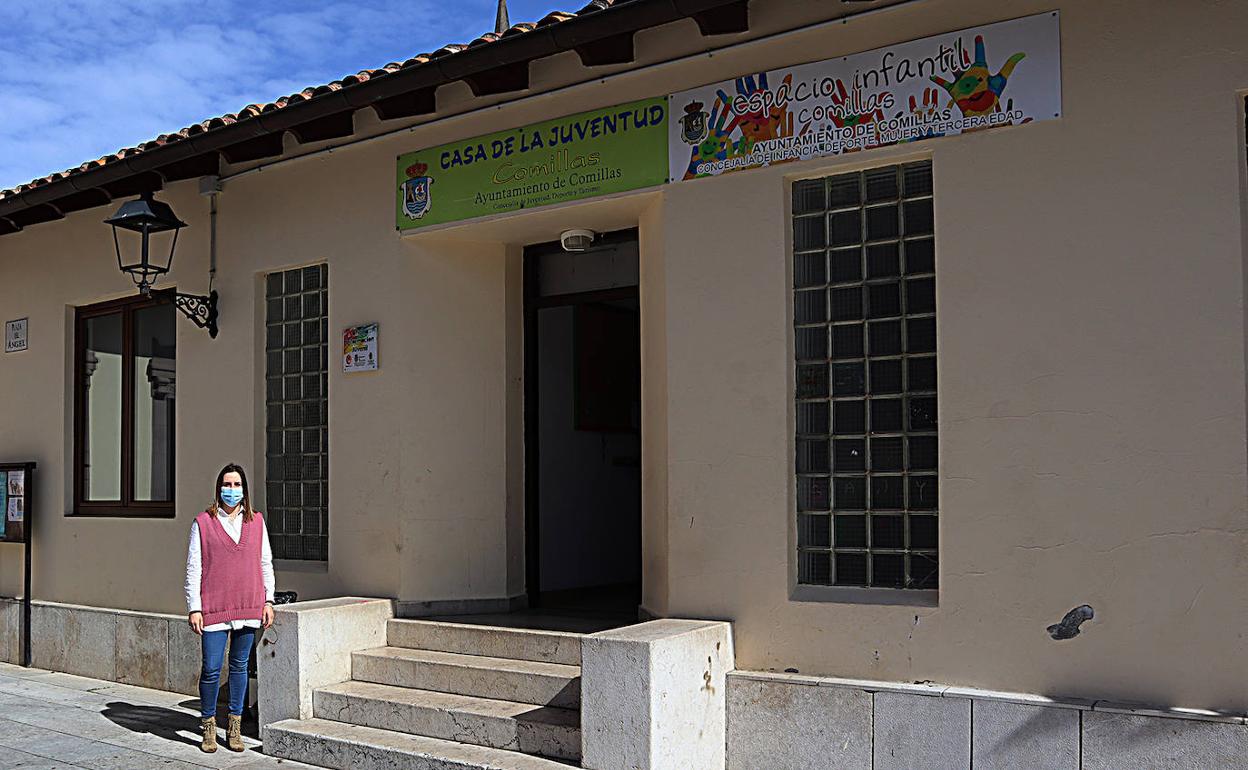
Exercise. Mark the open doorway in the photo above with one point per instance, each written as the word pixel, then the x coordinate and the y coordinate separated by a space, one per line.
pixel 583 427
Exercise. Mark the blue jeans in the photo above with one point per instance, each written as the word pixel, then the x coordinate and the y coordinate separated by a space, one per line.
pixel 209 677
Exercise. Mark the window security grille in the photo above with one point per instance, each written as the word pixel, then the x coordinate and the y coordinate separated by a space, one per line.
pixel 864 313
pixel 297 412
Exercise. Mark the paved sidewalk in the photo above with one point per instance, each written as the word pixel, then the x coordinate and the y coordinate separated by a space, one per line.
pixel 52 720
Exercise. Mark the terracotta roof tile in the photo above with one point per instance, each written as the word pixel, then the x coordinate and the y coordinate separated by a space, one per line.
pixel 251 110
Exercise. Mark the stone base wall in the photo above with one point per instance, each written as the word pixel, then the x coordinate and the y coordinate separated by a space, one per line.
pixel 792 721
pixel 141 648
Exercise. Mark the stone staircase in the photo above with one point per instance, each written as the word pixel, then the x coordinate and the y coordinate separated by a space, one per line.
pixel 446 696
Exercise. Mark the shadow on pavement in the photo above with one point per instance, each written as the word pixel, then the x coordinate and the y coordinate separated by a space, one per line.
pixel 168 723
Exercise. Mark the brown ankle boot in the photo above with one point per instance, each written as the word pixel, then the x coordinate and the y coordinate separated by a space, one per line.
pixel 208 725
pixel 234 734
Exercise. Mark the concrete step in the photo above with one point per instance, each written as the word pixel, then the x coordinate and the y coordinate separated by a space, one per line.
pixel 342 746
pixel 543 730
pixel 496 642
pixel 519 681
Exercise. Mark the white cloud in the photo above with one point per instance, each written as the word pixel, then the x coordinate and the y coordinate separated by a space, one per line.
pixel 82 78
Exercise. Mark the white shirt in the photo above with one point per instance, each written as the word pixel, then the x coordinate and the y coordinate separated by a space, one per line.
pixel 194 568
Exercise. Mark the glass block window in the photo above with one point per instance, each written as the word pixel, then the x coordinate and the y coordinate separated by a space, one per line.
pixel 296 450
pixel 864 316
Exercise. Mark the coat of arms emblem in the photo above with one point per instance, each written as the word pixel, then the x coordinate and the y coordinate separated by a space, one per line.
pixel 415 191
pixel 693 123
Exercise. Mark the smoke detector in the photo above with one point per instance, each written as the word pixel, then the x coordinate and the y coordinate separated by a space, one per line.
pixel 577 240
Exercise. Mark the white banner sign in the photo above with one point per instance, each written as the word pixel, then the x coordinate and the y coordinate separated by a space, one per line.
pixel 998 75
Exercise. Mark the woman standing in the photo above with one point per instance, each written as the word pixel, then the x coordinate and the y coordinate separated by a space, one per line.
pixel 229 594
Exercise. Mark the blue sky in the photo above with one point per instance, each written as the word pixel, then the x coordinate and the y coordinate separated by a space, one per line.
pixel 82 78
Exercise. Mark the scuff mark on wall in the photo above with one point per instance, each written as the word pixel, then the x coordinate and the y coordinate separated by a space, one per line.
pixel 1068 628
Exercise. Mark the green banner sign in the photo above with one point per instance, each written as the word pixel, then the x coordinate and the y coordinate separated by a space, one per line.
pixel 581 156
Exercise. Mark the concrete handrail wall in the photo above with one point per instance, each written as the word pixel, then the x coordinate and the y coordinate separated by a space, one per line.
pixel 310 646
pixel 654 696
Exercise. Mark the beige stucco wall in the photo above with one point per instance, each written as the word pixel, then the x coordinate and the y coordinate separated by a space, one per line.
pixel 1092 388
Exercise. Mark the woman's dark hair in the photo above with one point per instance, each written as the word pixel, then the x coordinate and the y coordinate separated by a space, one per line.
pixel 246 503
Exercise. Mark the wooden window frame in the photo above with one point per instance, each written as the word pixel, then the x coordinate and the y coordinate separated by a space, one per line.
pixel 127 507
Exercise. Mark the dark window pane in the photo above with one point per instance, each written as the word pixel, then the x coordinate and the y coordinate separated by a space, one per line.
pixel 851 531
pixel 886 415
pixel 273 310
pixel 922 532
pixel 921 295
pixel 846 265
pixel 102 366
pixel 887 531
pixel 847 341
pixel 849 417
pixel 879 426
pixel 885 377
pixel 881 184
pixel 846 228
pixel 813 493
pixel 921 374
pixel 882 223
pixel 923 493
pixel 312 277
pixel 886 453
pixel 808 233
pixel 154 350
pixel 809 306
pixel 846 304
pixel 814 530
pixel 844 191
pixel 295 411
pixel 922 453
pixel 850 455
pixel 812 456
pixel 921 335
pixel 883 260
pixel 851 569
pixel 917 179
pixel 812 381
pixel 814 568
pixel 919 217
pixel 888 570
pixel 272 337
pixel 883 300
pixel 812 418
pixel 809 195
pixel 923 413
pixel 885 338
pixel 809 270
pixel 848 379
pixel 924 571
pixel 888 493
pixel 849 493
pixel 920 256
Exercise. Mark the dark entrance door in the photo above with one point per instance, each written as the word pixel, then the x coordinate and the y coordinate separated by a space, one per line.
pixel 583 427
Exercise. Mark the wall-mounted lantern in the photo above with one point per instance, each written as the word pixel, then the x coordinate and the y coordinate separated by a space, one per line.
pixel 147 217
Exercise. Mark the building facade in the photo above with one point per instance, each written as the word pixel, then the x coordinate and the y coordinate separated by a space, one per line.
pixel 1027 395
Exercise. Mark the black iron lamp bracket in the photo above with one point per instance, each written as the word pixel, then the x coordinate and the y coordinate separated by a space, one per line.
pixel 202 310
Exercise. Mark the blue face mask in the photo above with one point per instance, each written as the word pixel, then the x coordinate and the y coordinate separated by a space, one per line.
pixel 231 496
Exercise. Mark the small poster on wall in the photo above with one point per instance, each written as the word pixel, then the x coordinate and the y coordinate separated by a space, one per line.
pixel 16 489
pixel 359 348
pixel 15 335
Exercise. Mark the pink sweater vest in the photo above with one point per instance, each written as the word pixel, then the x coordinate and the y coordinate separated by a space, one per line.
pixel 231 585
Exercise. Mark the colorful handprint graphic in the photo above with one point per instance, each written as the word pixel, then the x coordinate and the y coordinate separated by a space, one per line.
pixel 974 89
pixel 772 121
